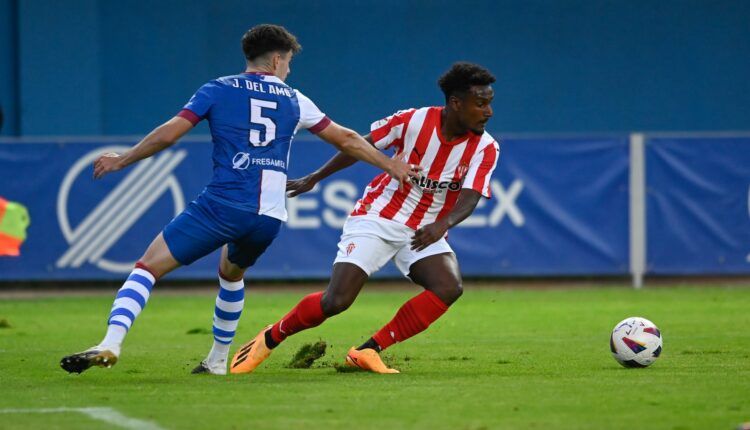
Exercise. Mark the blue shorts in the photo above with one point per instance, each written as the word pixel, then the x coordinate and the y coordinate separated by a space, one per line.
pixel 205 225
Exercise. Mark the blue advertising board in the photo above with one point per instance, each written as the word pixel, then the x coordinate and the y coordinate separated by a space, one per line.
pixel 698 205
pixel 559 207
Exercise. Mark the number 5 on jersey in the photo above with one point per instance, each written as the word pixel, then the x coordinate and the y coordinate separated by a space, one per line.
pixel 257 118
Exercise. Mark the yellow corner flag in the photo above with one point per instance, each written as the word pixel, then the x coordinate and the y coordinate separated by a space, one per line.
pixel 14 219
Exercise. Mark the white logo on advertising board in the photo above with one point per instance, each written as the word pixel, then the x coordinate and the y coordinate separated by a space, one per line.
pixel 100 230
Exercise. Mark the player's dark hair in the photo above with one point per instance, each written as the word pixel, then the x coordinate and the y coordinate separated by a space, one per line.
pixel 265 38
pixel 462 76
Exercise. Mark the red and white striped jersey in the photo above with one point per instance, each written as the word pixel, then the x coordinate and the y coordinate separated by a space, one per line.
pixel 466 162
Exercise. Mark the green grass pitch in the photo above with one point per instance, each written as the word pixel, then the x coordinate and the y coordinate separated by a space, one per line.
pixel 499 359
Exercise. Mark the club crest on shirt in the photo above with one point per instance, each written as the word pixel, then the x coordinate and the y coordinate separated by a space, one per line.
pixel 350 247
pixel 461 171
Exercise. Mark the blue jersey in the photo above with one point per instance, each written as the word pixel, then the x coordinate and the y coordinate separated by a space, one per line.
pixel 253 119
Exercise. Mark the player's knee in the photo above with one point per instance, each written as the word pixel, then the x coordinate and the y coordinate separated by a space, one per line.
pixel 333 304
pixel 449 292
pixel 455 292
pixel 230 272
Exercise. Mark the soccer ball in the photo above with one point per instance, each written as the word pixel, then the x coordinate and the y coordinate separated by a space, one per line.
pixel 635 342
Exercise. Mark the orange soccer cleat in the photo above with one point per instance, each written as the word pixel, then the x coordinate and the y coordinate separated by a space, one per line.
pixel 251 354
pixel 367 359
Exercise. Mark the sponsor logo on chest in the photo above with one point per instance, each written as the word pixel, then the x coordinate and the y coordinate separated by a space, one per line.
pixel 436 186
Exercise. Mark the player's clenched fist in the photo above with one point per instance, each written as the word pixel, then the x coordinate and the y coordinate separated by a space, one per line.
pixel 109 162
pixel 428 235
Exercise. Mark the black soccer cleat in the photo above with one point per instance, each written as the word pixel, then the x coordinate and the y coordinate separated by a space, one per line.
pixel 201 368
pixel 204 368
pixel 77 363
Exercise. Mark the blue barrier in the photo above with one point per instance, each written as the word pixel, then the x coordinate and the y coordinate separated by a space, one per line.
pixel 698 205
pixel 559 207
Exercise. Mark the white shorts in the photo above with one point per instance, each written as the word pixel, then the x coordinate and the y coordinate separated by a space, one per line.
pixel 369 243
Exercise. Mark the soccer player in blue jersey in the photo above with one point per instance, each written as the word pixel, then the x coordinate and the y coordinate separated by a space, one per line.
pixel 253 117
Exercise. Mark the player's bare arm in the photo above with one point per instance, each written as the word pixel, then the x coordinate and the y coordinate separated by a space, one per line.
pixel 160 138
pixel 465 204
pixel 352 144
pixel 340 161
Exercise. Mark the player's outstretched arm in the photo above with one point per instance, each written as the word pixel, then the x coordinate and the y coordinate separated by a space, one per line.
pixel 352 144
pixel 431 233
pixel 340 161
pixel 160 138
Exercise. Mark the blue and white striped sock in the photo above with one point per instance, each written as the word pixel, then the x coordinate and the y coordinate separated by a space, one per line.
pixel 130 301
pixel 227 313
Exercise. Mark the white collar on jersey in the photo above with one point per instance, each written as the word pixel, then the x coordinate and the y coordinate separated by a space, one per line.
pixel 266 77
pixel 273 78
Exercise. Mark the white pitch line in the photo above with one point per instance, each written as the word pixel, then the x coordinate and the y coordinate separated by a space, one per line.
pixel 108 415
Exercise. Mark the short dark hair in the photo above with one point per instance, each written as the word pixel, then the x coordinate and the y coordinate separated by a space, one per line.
pixel 265 38
pixel 462 76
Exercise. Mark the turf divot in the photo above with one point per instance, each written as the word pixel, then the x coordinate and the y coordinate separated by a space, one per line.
pixel 307 354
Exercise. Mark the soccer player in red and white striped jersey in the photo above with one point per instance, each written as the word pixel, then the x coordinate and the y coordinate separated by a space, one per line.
pixel 465 162
pixel 407 223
